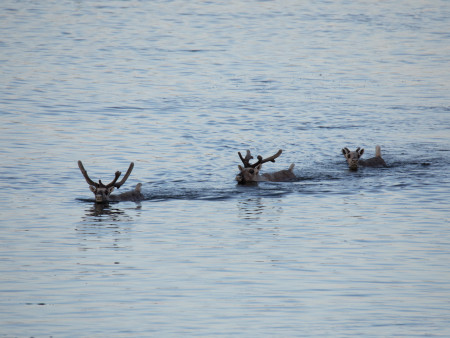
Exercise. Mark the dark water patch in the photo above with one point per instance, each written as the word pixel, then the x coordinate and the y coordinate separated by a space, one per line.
pixel 86 200
pixel 211 193
pixel 106 214
pixel 339 126
pixel 160 192
pixel 126 108
pixel 196 50
pixel 422 163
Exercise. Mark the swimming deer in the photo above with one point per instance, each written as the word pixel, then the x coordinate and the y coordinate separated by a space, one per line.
pixel 103 192
pixel 354 158
pixel 250 172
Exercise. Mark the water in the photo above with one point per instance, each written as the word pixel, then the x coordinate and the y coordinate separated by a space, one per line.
pixel 179 88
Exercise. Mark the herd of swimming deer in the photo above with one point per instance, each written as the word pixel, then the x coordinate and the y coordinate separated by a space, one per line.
pixel 249 173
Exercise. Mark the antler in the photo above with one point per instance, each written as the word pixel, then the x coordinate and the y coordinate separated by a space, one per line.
pixel 118 185
pixel 246 160
pixel 86 177
pixel 248 157
pixel 113 182
pixel 271 158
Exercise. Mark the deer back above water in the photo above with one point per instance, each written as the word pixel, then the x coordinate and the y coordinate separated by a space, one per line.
pixel 251 172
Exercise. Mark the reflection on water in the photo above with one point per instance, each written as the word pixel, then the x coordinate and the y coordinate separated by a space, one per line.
pixel 106 226
pixel 106 212
pixel 256 208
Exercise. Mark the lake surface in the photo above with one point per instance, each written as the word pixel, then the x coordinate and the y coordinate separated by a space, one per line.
pixel 179 87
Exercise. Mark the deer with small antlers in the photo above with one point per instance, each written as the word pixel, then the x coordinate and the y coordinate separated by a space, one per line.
pixel 250 172
pixel 103 192
pixel 354 159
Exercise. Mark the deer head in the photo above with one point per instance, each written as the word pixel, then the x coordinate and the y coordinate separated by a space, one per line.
pixel 100 190
pixel 250 172
pixel 247 175
pixel 352 157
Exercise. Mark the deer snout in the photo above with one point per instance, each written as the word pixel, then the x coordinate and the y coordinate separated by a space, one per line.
pixel 102 194
pixel 99 199
pixel 353 165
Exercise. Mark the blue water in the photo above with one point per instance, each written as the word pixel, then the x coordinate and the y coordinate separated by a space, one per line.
pixel 179 88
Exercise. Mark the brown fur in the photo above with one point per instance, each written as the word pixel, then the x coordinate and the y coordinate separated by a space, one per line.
pixel 134 195
pixel 248 175
pixel 354 159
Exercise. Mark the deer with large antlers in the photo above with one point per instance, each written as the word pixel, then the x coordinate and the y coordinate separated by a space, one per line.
pixel 103 192
pixel 250 172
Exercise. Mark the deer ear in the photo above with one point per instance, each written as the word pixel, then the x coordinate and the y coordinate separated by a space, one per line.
pixel 361 152
pixel 110 190
pixel 258 167
pixel 344 151
pixel 240 168
pixel 92 188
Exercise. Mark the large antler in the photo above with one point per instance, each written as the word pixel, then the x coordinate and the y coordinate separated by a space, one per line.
pixel 268 159
pixel 86 177
pixel 246 160
pixel 113 182
pixel 127 174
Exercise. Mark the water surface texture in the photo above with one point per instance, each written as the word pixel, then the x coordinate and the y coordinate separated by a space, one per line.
pixel 179 87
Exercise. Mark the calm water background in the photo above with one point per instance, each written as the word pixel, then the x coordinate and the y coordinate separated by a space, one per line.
pixel 179 87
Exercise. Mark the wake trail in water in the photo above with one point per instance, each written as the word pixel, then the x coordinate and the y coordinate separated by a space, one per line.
pixel 334 178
